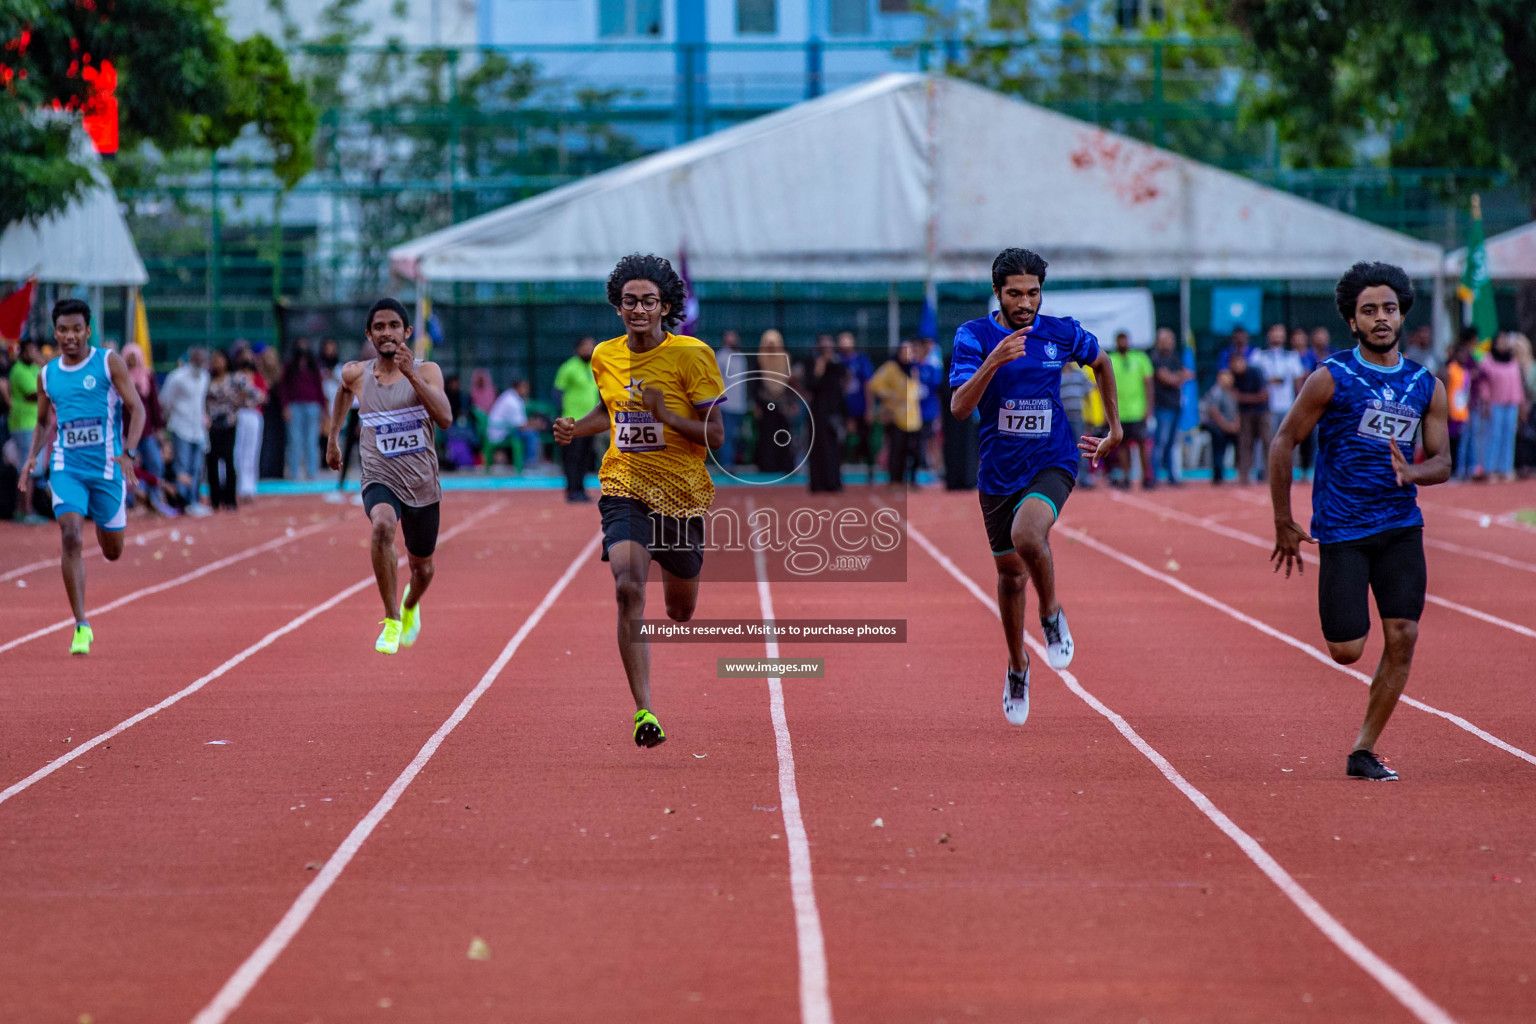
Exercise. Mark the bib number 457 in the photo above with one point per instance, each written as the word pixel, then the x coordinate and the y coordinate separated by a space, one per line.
pixel 1388 426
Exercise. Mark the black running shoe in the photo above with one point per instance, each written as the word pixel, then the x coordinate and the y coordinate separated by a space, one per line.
pixel 1364 765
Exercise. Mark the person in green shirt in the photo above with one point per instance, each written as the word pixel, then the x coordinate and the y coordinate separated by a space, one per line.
pixel 1133 387
pixel 23 379
pixel 576 394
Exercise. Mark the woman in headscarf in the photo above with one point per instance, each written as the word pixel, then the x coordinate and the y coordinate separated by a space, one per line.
pixel 151 457
pixel 482 391
pixel 773 406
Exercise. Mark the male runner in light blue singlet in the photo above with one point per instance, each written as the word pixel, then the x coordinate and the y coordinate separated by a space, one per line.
pixel 1368 405
pixel 81 399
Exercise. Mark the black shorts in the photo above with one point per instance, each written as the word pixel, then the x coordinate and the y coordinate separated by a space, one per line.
pixel 1051 485
pixel 418 523
pixel 1390 564
pixel 1135 430
pixel 677 545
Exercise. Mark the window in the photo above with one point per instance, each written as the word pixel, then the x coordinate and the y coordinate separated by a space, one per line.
pixel 895 6
pixel 1133 14
pixel 629 18
pixel 850 17
pixel 757 17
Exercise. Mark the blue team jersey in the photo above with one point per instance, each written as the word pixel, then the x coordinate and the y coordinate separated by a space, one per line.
pixel 1354 490
pixel 89 413
pixel 1024 428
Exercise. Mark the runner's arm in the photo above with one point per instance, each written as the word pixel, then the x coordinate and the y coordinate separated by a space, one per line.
pixel 1298 424
pixel 340 406
pixel 594 422
pixel 41 435
pixel 1098 448
pixel 1436 467
pixel 427 379
pixel 964 399
pixel 707 432
pixel 133 429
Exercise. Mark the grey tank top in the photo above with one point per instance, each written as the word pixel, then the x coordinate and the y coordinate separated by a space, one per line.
pixel 398 441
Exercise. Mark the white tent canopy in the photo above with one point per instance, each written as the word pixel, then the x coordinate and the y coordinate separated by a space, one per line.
pixel 1511 256
pixel 87 243
pixel 855 185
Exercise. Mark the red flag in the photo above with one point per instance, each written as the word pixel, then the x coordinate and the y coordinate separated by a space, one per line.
pixel 15 308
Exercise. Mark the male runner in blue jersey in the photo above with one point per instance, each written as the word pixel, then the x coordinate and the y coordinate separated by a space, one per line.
pixel 81 397
pixel 1365 521
pixel 1009 366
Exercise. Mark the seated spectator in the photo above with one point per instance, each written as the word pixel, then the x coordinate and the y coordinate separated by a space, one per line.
pixel 503 427
pixel 1218 416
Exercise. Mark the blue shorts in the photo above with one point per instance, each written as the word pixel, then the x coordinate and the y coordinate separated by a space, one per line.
pixel 103 502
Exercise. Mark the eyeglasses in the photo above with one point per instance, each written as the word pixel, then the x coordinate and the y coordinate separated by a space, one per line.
pixel 648 303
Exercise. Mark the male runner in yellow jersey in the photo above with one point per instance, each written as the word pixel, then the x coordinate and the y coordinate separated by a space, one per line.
pixel 657 389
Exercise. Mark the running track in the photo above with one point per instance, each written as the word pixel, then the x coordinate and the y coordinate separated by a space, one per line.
pixel 304 830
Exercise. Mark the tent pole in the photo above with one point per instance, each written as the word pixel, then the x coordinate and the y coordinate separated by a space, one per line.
pixel 1441 317
pixel 1184 331
pixel 892 319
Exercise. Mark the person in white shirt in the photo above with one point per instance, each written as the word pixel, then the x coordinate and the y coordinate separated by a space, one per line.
pixel 508 415
pixel 184 399
pixel 1283 371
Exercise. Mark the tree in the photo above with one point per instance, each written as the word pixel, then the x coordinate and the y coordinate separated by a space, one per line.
pixel 182 83
pixel 1447 83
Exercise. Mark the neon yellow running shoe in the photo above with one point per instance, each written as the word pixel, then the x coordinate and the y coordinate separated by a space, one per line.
pixel 389 640
pixel 82 641
pixel 410 620
pixel 647 730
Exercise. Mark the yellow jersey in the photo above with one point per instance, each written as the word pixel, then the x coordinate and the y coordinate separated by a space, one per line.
pixel 646 460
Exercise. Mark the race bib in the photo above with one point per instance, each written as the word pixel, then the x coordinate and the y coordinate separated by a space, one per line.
pixel 1024 422
pixel 89 433
pixel 395 439
pixel 638 432
pixel 1388 425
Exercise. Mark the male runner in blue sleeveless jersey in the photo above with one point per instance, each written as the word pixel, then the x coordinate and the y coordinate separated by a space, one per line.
pixel 1009 366
pixel 81 397
pixel 1368 404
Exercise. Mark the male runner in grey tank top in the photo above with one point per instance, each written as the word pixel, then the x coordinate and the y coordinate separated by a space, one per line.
pixel 398 400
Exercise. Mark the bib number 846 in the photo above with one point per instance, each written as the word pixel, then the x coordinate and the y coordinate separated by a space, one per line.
pixel 1388 426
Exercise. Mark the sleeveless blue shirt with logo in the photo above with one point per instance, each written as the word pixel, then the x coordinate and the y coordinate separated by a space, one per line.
pixel 1355 493
pixel 89 412
pixel 1024 427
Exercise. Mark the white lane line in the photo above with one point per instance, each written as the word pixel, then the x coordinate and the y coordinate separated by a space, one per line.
pixel 249 973
pixel 191 688
pixel 222 563
pixel 1387 976
pixel 815 999
pixel 1429 542
pixel 1286 638
pixel 138 538
pixel 1506 519
pixel 1255 540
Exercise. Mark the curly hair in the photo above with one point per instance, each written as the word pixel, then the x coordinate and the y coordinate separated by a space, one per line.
pixel 1371 275
pixel 646 267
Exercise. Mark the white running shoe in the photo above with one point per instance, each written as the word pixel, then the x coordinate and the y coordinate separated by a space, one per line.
pixel 1058 640
pixel 1016 696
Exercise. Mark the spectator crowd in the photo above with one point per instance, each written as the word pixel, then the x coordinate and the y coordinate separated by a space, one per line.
pixel 222 420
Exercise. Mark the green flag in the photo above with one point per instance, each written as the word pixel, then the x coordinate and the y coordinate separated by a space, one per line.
pixel 1476 289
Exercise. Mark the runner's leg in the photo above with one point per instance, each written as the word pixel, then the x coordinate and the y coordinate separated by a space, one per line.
pixel 1011 581
pixel 72 562
pixel 631 563
pixel 1390 679
pixel 383 550
pixel 1031 530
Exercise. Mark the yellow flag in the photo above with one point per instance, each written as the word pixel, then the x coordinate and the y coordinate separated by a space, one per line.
pixel 140 335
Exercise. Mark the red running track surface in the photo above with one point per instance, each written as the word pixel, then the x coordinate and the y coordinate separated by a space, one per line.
pixel 1050 872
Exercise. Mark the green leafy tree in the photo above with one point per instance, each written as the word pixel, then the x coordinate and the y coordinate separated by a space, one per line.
pixel 182 83
pixel 1443 83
